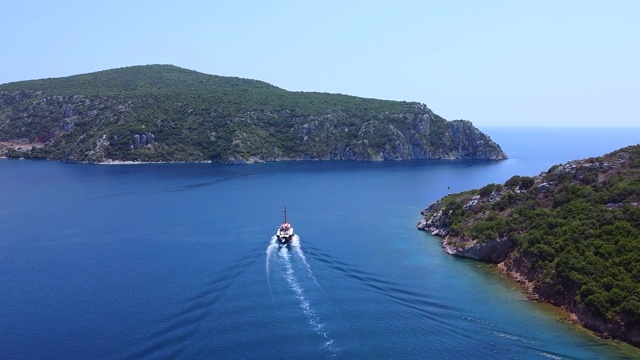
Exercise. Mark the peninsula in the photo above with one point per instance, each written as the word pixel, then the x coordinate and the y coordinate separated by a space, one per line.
pixel 163 113
pixel 570 235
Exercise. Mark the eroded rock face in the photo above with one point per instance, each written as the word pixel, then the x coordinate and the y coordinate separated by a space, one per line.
pixel 495 251
pixel 70 126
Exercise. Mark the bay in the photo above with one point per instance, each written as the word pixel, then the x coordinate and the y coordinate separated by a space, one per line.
pixel 174 261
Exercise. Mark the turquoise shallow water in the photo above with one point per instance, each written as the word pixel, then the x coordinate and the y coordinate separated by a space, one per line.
pixel 175 261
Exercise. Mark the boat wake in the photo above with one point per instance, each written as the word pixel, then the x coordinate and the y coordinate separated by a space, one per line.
pixel 171 339
pixel 287 257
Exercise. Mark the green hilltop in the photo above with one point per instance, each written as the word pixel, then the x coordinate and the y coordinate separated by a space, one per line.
pixel 166 113
pixel 139 80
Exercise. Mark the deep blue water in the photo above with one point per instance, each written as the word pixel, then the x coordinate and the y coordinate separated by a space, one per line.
pixel 174 261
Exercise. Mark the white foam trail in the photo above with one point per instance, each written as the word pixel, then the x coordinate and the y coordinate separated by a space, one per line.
pixel 270 250
pixel 550 356
pixel 295 241
pixel 298 249
pixel 314 319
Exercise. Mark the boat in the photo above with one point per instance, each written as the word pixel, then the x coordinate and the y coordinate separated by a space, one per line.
pixel 284 234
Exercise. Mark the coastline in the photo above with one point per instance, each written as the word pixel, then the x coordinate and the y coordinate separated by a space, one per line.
pixel 121 162
pixel 561 313
pixel 478 224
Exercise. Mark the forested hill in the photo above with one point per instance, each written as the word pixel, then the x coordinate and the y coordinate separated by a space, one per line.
pixel 571 234
pixel 166 113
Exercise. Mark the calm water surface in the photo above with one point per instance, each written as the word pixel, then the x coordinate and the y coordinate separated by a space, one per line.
pixel 175 261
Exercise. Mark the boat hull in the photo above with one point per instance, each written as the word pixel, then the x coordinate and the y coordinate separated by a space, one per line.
pixel 284 238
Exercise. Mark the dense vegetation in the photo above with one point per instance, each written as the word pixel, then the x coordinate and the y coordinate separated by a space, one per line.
pixel 575 231
pixel 166 113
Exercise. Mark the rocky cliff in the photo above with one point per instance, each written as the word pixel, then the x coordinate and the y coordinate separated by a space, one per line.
pixel 570 235
pixel 165 113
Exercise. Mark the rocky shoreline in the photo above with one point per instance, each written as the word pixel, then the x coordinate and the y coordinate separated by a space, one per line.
pixel 531 290
pixel 516 266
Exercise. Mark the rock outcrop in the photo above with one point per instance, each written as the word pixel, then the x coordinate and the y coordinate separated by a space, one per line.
pixel 492 250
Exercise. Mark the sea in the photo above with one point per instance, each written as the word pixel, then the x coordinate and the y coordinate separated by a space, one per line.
pixel 178 261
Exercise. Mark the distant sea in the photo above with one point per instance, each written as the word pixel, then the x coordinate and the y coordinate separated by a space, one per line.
pixel 175 261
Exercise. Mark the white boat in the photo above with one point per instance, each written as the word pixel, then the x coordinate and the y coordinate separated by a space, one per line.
pixel 284 234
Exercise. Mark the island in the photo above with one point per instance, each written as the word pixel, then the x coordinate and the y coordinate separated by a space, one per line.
pixel 163 113
pixel 570 236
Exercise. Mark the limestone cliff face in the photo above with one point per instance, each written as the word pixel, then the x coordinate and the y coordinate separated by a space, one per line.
pixel 494 251
pixel 164 113
pixel 470 142
pixel 393 137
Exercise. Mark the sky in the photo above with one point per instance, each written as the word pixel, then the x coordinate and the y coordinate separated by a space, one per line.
pixel 570 63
